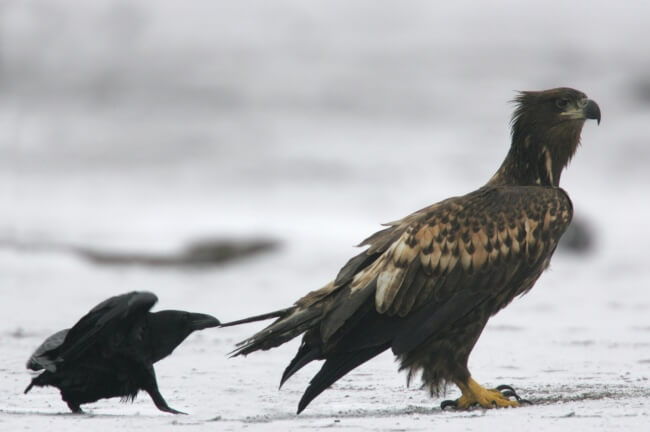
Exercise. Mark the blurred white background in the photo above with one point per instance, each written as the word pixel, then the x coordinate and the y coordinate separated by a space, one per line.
pixel 142 123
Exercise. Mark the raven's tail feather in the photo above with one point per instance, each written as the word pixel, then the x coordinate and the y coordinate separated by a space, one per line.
pixel 39 381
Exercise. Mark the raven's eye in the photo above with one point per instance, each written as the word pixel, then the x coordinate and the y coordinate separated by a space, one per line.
pixel 562 102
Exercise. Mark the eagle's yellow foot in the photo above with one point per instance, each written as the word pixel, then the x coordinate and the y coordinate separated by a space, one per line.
pixel 475 394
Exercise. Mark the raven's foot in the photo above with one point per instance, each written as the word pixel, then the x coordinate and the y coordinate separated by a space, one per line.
pixel 170 410
pixel 474 394
pixel 75 408
pixel 161 403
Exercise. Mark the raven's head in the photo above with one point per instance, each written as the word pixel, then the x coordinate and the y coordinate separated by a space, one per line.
pixel 546 127
pixel 169 328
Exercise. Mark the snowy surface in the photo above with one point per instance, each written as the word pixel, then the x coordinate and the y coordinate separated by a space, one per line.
pixel 145 125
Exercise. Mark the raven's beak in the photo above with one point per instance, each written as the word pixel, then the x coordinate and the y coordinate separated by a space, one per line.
pixel 592 110
pixel 202 321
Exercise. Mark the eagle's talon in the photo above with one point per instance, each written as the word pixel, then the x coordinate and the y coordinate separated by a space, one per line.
pixel 503 387
pixel 524 401
pixel 448 403
pixel 510 393
pixel 473 394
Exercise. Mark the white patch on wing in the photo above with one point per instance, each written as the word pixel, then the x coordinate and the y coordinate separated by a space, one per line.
pixel 385 282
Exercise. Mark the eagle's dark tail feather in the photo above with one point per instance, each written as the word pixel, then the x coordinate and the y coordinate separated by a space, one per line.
pixel 305 355
pixel 291 322
pixel 275 314
pixel 334 368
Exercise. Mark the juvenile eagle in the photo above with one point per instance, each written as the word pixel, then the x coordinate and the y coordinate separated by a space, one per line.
pixel 426 285
pixel 111 350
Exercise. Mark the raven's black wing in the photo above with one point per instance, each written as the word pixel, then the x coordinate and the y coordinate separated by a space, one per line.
pixel 40 358
pixel 101 322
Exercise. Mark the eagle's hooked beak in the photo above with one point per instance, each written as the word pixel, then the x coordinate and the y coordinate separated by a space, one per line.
pixel 583 110
pixel 591 110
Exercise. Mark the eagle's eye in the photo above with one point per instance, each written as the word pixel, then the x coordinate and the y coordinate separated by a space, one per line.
pixel 562 102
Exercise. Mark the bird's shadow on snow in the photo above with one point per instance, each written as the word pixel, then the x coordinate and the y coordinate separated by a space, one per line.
pixel 552 397
pixel 556 398
pixel 62 414
pixel 410 410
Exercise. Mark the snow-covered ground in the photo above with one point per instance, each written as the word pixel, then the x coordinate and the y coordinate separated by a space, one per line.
pixel 145 125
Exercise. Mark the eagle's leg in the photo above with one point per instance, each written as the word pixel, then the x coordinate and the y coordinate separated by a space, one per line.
pixel 475 394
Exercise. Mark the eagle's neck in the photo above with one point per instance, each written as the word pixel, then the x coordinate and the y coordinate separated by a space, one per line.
pixel 537 158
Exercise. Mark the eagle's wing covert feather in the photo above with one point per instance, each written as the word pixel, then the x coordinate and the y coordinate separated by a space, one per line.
pixel 479 242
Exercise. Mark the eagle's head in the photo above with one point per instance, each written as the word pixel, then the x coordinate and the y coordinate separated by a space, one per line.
pixel 546 127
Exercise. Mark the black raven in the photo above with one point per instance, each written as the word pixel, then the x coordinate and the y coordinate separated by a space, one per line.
pixel 110 351
pixel 427 284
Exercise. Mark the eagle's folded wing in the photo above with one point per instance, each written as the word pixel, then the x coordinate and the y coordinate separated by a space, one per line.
pixel 459 252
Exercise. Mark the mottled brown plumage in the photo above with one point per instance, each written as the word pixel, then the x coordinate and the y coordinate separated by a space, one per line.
pixel 426 285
